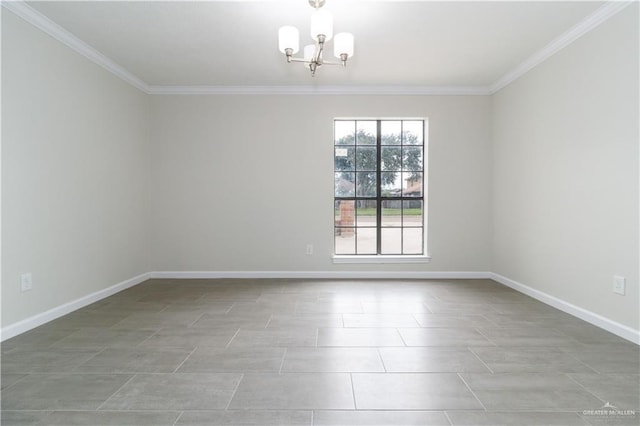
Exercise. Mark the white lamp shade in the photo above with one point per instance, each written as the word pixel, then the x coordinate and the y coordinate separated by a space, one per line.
pixel 343 43
pixel 321 23
pixel 309 51
pixel 288 38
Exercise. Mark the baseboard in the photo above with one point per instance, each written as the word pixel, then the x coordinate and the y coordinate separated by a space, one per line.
pixel 321 274
pixel 43 318
pixel 611 326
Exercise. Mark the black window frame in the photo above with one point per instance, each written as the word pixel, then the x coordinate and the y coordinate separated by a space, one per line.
pixel 379 198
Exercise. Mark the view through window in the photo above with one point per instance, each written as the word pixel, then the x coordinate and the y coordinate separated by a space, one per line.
pixel 378 192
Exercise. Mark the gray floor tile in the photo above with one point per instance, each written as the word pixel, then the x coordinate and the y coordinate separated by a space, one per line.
pixel 610 361
pixel 430 360
pixel 394 308
pixel 379 418
pixel 205 360
pixel 403 391
pixel 489 418
pixel 373 337
pixel 530 360
pixel 124 305
pixel 306 320
pixel 83 319
pixel 439 307
pixel 49 360
pixel 587 333
pixel 465 337
pixel 145 320
pixel 530 391
pixel 329 308
pixel 528 336
pixel 62 391
pixel 380 320
pixel 529 308
pixel 184 337
pixel 108 418
pixel 41 337
pixel 275 337
pixel 232 321
pixel 135 360
pixel 298 391
pixel 268 308
pixel 519 320
pixel 621 390
pixel 10 378
pixel 336 360
pixel 95 337
pixel 246 418
pixel 178 391
pixel 23 418
pixel 452 320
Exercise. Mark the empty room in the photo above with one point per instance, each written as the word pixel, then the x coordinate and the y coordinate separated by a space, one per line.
pixel 320 212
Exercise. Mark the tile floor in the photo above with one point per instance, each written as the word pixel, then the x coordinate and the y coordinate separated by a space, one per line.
pixel 319 352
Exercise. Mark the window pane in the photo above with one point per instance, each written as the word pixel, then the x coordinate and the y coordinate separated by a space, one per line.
pixel 344 159
pixel 412 159
pixel 366 184
pixel 412 184
pixel 412 213
pixel 412 241
pixel 366 158
pixel 391 158
pixel 366 213
pixel 344 184
pixel 345 213
pixel 345 241
pixel 391 131
pixel 391 184
pixel 412 132
pixel 390 165
pixel 391 240
pixel 367 132
pixel 366 241
pixel 344 132
pixel 392 213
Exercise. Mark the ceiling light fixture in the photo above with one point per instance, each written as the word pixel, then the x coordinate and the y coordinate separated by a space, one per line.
pixel 321 32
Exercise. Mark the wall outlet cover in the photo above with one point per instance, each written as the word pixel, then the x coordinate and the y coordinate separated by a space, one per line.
pixel 26 282
pixel 619 285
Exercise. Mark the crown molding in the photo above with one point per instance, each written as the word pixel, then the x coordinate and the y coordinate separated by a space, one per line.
pixel 320 90
pixel 46 25
pixel 24 11
pixel 603 13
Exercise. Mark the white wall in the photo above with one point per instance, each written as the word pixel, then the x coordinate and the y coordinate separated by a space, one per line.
pixel 243 183
pixel 566 173
pixel 101 183
pixel 75 144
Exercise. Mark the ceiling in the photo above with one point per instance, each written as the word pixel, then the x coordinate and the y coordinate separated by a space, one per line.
pixel 398 43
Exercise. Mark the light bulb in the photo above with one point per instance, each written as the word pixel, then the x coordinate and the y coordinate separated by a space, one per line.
pixel 288 38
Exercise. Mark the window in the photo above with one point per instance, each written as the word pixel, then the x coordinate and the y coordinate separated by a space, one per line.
pixel 378 192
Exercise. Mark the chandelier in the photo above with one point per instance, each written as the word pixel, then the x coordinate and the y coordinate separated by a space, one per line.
pixel 321 32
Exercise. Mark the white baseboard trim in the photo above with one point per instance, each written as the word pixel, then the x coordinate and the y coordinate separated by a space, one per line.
pixel 614 327
pixel 43 318
pixel 321 274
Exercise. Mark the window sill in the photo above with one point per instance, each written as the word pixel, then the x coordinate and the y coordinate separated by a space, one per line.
pixel 381 259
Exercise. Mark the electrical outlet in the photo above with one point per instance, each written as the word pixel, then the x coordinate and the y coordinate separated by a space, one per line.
pixel 309 249
pixel 26 282
pixel 619 285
